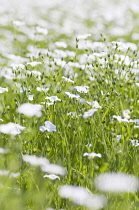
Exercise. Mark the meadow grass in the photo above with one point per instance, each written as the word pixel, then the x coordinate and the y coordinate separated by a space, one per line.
pixel 96 118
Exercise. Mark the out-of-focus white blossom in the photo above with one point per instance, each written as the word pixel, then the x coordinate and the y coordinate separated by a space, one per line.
pixel 30 110
pixel 117 182
pixel 54 169
pixel 2 90
pixel 41 30
pixel 61 44
pixel 17 66
pixel 11 128
pixel 37 73
pixel 34 63
pixel 35 161
pixel 8 173
pixel 18 23
pixel 82 196
pixel 84 36
pixel 3 151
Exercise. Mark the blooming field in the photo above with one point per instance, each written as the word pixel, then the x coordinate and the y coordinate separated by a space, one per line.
pixel 69 105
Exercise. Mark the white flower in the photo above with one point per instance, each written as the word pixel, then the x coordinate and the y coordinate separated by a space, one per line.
pixel 89 113
pixel 81 100
pixel 45 165
pixel 122 59
pixel 119 118
pixel 16 66
pixel 33 63
pixel 60 62
pixel 82 89
pixel 118 137
pixel 95 104
pixel 60 53
pixel 42 89
pixel 47 103
pixel 2 151
pixel 52 176
pixel 35 161
pixel 134 142
pixel 72 95
pixel 48 126
pixel 18 23
pixel 11 128
pixel 53 98
pixel 4 173
pixel 84 36
pixel 126 114
pixel 37 73
pixel 2 90
pixel 40 30
pixel 82 196
pixel 8 173
pixel 72 113
pixel 61 44
pixel 23 89
pixel 67 79
pixel 117 182
pixel 88 145
pixel 136 126
pixel 134 121
pixel 14 175
pixel 92 154
pixel 70 53
pixel 54 169
pixel 30 110
pixel 124 46
pixel 30 97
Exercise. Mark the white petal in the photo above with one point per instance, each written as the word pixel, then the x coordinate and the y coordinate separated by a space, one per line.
pixel 72 95
pixel 82 89
pixel 50 127
pixel 95 104
pixel 2 90
pixel 89 113
pixel 92 154
pixel 84 36
pixel 52 176
pixel 53 98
